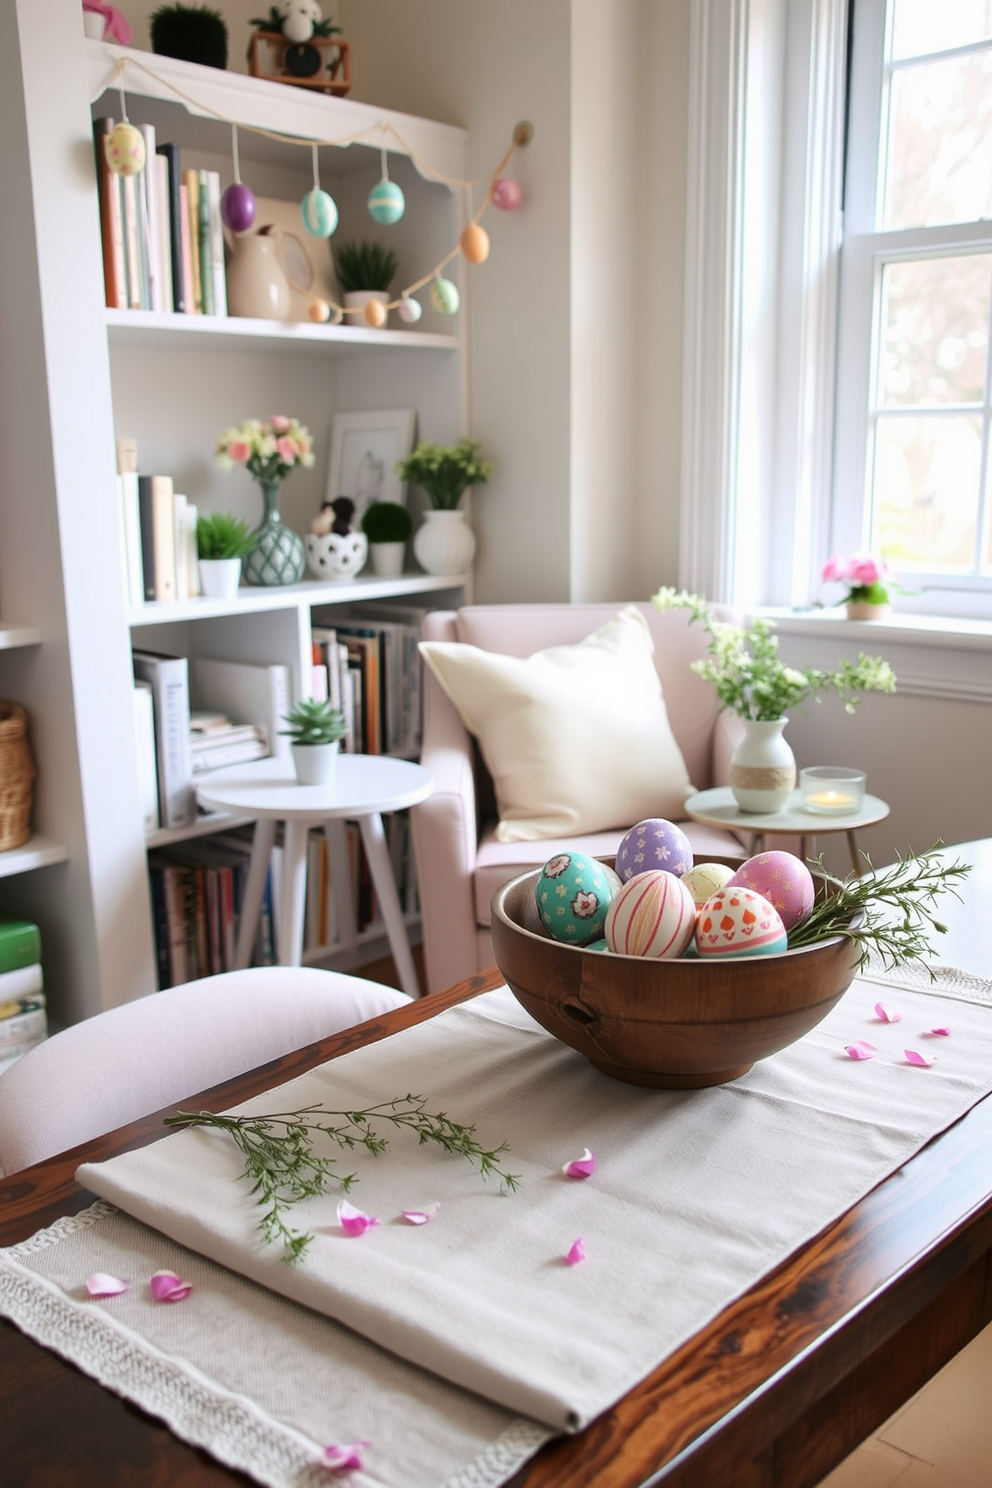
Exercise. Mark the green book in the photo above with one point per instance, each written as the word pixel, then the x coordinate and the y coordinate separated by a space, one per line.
pixel 20 944
pixel 205 248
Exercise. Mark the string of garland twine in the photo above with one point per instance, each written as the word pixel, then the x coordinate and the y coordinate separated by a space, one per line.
pixel 523 133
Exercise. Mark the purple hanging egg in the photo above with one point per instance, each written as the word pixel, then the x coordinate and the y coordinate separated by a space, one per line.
pixel 237 207
pixel 654 843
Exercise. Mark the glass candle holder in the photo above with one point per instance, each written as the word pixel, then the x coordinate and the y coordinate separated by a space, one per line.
pixel 832 790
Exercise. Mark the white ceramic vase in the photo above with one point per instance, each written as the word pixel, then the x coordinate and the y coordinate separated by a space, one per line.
pixel 763 767
pixel 315 764
pixel 336 555
pixel 220 577
pixel 445 544
pixel 387 559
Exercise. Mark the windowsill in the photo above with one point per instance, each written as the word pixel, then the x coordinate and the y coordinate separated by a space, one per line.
pixel 932 656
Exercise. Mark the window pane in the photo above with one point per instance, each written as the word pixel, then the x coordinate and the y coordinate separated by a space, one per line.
pixel 939 165
pixel 925 508
pixel 920 26
pixel 934 344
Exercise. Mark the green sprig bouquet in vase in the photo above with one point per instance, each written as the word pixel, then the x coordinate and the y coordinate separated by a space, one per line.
pixel 752 681
pixel 445 544
pixel 269 452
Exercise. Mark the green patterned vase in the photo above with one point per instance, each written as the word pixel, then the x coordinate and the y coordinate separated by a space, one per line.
pixel 278 557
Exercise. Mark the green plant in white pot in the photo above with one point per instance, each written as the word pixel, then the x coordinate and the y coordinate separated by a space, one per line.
pixel 387 525
pixel 365 269
pixel 222 540
pixel 445 544
pixel 315 731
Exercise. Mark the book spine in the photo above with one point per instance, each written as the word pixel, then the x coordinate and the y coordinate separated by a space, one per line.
pixel 160 923
pixel 150 221
pixel 144 738
pixel 20 945
pixel 169 677
pixel 132 248
pixel 170 152
pixel 23 1026
pixel 191 180
pixel 179 544
pixel 192 562
pixel 111 219
pixel 160 175
pixel 206 249
pixel 20 981
pixel 164 525
pixel 217 244
pixel 146 525
pixel 132 537
pixel 176 923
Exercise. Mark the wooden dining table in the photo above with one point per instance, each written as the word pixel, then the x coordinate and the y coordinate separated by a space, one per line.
pixel 776 1390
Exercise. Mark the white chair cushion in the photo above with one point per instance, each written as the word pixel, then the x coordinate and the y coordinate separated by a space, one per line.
pixel 576 737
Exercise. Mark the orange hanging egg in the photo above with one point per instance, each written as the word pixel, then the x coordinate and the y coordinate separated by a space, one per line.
pixel 375 314
pixel 319 311
pixel 475 243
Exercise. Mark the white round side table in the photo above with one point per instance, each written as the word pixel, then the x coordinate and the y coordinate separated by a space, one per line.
pixel 365 786
pixel 717 808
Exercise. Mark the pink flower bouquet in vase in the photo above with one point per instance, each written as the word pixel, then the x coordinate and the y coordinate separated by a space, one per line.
pixel 867 596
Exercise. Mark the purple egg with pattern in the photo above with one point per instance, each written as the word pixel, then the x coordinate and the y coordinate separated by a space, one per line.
pixel 653 844
pixel 782 879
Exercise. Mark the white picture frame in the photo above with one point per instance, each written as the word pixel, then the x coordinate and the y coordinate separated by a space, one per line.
pixel 364 450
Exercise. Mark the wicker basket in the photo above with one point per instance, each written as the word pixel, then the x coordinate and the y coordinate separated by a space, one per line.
pixel 16 775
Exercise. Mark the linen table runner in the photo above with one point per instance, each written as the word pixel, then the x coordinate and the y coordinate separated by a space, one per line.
pixel 697 1194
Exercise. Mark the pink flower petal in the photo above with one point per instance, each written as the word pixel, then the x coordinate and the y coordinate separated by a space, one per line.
pixel 937 1033
pixel 860 1050
pixel 353 1221
pixel 420 1216
pixel 166 1286
pixel 101 1284
pixel 922 1061
pixel 887 1014
pixel 576 1252
pixel 581 1167
pixel 340 1456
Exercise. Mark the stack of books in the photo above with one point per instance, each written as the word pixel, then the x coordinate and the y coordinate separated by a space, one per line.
pixel 163 240
pixel 23 1017
pixel 216 742
pixel 374 675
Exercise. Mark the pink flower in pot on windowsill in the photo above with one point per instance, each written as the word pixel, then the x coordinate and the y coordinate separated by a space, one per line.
pixel 865 577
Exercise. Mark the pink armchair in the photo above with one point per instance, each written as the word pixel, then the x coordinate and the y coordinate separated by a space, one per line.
pixel 460 865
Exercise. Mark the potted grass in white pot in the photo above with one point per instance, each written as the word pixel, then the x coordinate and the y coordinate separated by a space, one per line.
pixel 222 540
pixel 387 525
pixel 315 731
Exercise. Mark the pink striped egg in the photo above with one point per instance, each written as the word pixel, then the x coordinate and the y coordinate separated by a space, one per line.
pixel 738 922
pixel 652 915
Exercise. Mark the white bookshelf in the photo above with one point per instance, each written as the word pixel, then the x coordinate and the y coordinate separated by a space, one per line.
pixel 12 637
pixel 37 852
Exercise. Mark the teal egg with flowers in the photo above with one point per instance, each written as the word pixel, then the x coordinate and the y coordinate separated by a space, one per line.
pixel 386 203
pixel 573 893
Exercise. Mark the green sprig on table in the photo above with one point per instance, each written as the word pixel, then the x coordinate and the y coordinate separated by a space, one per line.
pixel 888 910
pixel 284 1168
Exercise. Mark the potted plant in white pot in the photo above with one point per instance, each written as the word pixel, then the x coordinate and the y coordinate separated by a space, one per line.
pixel 365 269
pixel 315 731
pixel 222 540
pixel 387 525
pixel 445 544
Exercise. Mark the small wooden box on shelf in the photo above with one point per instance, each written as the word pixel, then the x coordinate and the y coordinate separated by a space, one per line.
pixel 324 63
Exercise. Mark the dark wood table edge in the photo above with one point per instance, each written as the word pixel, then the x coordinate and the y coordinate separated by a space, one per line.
pixel 781 1385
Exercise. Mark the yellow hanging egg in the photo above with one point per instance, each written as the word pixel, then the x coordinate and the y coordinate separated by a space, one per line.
pixel 125 150
pixel 375 314
pixel 319 311
pixel 475 243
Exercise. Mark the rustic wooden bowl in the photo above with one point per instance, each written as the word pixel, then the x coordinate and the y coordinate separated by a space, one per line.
pixel 671 1024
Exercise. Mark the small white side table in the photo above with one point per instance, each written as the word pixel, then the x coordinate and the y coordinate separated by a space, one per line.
pixel 717 808
pixel 365 786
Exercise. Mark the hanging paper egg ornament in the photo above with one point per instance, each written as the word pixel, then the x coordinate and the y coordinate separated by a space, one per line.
pixel 474 243
pixel 506 194
pixel 237 207
pixel 386 203
pixel 445 297
pixel 375 314
pixel 410 310
pixel 573 893
pixel 319 213
pixel 125 149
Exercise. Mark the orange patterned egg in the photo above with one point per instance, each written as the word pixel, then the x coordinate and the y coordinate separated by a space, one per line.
pixel 738 922
pixel 652 915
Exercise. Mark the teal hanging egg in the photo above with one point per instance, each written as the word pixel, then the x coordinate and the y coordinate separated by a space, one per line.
pixel 386 203
pixel 445 297
pixel 319 213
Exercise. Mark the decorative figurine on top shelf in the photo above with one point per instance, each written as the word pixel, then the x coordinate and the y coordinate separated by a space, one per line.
pixel 334 549
pixel 296 44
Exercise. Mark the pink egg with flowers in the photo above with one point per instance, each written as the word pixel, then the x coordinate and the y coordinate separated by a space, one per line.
pixel 651 844
pixel 782 879
pixel 738 922
pixel 653 914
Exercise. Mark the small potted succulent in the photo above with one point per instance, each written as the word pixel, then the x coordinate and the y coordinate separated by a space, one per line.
pixel 315 731
pixel 387 525
pixel 365 269
pixel 222 540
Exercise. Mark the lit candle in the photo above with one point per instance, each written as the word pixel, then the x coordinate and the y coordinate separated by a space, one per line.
pixel 831 800
pixel 832 790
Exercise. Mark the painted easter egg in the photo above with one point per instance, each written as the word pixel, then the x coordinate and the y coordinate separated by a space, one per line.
pixel 237 207
pixel 386 203
pixel 654 843
pixel 573 893
pixel 652 915
pixel 409 310
pixel 474 243
pixel 782 879
pixel 125 150
pixel 704 880
pixel 445 297
pixel 738 922
pixel 597 945
pixel 506 194
pixel 319 213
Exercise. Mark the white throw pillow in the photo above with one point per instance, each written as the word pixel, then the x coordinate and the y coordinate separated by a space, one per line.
pixel 576 738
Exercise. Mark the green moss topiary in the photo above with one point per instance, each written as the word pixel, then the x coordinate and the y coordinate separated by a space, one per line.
pixel 193 33
pixel 386 522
